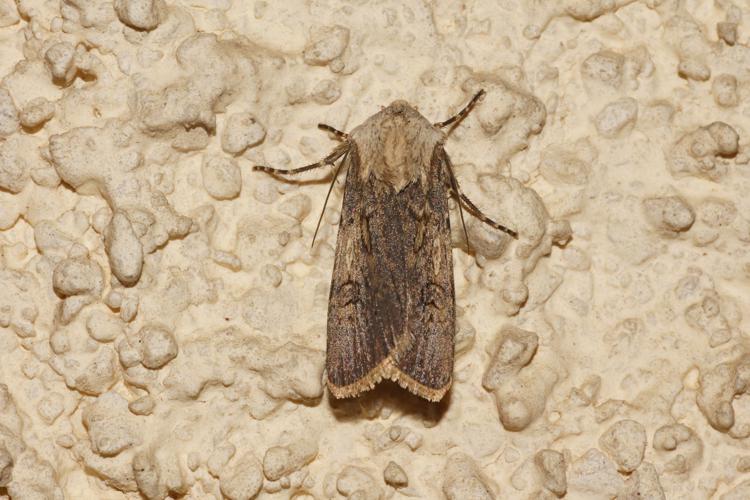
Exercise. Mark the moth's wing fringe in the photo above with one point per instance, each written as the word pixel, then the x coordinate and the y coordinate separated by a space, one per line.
pixel 415 387
pixel 387 369
pixel 363 384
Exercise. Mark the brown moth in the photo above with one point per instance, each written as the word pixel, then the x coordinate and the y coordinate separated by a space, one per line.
pixel 392 307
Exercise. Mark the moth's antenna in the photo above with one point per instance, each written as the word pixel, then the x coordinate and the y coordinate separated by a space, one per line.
pixel 454 187
pixel 330 188
pixel 459 116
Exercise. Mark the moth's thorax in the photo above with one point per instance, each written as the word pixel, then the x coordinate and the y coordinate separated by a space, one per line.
pixel 396 144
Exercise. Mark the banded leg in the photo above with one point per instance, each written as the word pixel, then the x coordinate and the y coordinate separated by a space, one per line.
pixel 459 116
pixel 480 215
pixel 339 134
pixel 328 160
pixel 475 211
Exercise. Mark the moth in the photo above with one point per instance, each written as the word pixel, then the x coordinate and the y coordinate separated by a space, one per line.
pixel 392 306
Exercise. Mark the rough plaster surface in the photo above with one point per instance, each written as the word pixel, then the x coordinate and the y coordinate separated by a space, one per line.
pixel 162 317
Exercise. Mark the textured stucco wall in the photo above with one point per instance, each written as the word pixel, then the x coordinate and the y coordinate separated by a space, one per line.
pixel 162 316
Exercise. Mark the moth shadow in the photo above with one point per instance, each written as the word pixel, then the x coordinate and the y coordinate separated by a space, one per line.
pixel 386 398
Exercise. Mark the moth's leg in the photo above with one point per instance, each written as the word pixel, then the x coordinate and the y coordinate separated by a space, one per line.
pixel 328 160
pixel 481 216
pixel 328 128
pixel 461 113
pixel 476 212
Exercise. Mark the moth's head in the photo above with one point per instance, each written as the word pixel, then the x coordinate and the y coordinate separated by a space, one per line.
pixel 399 116
pixel 396 143
pixel 401 108
pixel 402 116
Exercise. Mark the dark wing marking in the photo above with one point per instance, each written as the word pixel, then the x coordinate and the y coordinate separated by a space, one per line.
pixel 391 311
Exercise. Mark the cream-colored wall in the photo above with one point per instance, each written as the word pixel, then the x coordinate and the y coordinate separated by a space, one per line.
pixel 162 316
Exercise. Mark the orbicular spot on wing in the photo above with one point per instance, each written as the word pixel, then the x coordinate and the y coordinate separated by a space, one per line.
pixel 347 294
pixel 433 295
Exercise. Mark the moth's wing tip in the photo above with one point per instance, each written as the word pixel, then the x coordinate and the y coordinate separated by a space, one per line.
pixel 369 382
pixel 355 389
pixel 432 394
pixel 342 392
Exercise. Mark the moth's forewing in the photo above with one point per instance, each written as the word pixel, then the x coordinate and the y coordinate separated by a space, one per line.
pixel 391 311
